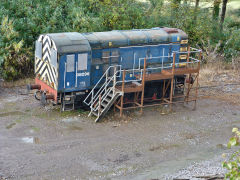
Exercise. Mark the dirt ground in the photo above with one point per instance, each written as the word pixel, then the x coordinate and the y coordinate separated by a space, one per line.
pixel 41 143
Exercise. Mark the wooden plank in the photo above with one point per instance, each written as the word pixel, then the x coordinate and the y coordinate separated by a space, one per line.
pixel 156 76
pixel 182 71
pixel 130 88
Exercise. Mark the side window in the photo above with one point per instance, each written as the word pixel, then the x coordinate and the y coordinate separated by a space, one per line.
pixel 105 56
pixel 70 63
pixel 115 56
pixel 82 62
pixel 38 50
pixel 54 58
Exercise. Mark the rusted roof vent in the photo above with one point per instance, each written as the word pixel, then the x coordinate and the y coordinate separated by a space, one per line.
pixel 170 30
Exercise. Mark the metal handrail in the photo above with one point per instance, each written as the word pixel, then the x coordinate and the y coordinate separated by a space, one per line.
pixel 103 91
pixel 102 98
pixel 96 85
pixel 100 91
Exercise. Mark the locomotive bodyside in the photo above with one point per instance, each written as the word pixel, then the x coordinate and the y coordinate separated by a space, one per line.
pixel 67 63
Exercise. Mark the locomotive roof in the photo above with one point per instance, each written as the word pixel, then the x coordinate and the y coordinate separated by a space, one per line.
pixel 81 42
pixel 70 42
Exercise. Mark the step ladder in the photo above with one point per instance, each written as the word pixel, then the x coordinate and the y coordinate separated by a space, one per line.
pixel 68 102
pixel 104 103
pixel 104 93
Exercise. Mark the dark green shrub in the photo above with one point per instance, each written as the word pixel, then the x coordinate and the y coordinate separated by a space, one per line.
pixel 15 59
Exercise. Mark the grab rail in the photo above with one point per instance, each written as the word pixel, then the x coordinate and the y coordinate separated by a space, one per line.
pixel 103 91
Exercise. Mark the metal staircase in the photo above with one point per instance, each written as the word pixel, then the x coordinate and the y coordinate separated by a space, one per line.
pixel 104 93
pixel 113 84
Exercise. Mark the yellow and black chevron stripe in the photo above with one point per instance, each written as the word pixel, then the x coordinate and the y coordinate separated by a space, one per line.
pixel 43 68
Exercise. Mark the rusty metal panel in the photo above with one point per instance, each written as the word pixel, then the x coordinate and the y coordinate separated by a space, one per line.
pixel 157 36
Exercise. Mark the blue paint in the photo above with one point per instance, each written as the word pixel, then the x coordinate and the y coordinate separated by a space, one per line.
pixel 128 59
pixel 76 80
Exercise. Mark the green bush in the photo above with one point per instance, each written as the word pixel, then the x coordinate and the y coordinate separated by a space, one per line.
pixel 15 59
pixel 233 164
pixel 29 19
pixel 231 47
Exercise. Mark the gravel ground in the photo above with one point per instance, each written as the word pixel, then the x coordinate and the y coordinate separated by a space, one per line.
pixel 41 143
pixel 206 168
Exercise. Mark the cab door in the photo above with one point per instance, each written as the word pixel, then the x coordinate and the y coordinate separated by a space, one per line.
pixel 70 71
pixel 83 71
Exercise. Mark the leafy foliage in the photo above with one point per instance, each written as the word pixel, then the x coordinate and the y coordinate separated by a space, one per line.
pixel 14 58
pixel 233 164
pixel 27 19
pixel 232 44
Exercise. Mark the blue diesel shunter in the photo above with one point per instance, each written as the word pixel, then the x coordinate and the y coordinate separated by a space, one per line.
pixel 70 64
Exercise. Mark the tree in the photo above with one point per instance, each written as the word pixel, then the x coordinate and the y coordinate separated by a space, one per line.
pixel 197 4
pixel 216 9
pixel 224 7
pixel 175 6
pixel 195 10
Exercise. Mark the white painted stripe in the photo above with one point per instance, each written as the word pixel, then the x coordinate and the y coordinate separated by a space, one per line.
pixel 41 70
pixel 54 45
pixel 46 55
pixel 50 71
pixel 47 46
pixel 39 65
pixel 50 74
pixel 53 76
pixel 40 38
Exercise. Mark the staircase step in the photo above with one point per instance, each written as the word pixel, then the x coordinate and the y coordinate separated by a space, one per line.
pixel 104 104
pixel 95 113
pixel 110 94
pixel 68 107
pixel 107 99
pixel 68 102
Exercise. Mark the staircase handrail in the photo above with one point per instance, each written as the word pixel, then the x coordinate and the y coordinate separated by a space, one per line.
pixel 97 84
pixel 103 88
pixel 102 98
pixel 107 82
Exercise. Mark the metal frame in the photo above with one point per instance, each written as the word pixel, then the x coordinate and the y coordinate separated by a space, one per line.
pixel 118 87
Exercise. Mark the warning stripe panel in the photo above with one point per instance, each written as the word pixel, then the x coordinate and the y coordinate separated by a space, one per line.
pixel 43 67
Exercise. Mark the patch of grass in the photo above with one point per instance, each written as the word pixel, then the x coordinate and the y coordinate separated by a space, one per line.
pixel 18 121
pixel 163 147
pixel 69 113
pixel 13 113
pixel 83 112
pixel 36 129
pixel 21 82
pixel 27 110
pixel 10 125
pixel 210 71
pixel 72 127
